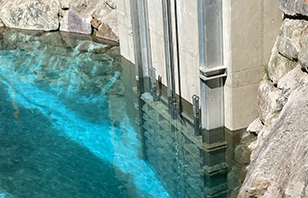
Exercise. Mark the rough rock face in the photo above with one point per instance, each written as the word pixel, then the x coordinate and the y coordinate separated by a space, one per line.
pixel 286 49
pixel 294 7
pixel 35 15
pixel 106 32
pixel 77 16
pixel 112 4
pixel 93 13
pixel 279 156
pixel 74 22
pixel 303 55
pixel 282 160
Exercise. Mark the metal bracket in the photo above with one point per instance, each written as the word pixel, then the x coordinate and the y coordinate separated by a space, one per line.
pixel 195 100
pixel 213 73
pixel 153 83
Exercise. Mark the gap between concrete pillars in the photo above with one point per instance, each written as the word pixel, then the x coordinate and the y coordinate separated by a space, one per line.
pixel 142 48
pixel 211 65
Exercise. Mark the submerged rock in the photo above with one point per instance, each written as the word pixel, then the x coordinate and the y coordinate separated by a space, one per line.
pixel 33 15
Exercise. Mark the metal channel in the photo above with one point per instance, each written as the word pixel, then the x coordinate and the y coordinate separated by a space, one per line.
pixel 167 51
pixel 142 48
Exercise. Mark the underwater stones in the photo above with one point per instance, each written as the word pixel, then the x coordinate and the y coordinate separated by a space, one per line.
pixel 89 46
pixel 75 22
pixel 114 52
pixel 52 38
pixel 294 7
pixel 33 15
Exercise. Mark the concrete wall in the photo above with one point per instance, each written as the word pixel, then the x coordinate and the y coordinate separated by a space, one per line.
pixel 125 30
pixel 188 44
pixel 250 29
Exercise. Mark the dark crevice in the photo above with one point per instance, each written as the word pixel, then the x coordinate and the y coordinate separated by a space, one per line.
pixel 290 59
pixel 304 70
pixel 295 17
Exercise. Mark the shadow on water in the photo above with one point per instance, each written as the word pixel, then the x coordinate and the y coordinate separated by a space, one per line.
pixel 35 162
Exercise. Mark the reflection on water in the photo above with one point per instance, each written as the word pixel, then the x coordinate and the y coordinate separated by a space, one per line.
pixel 185 166
pixel 72 125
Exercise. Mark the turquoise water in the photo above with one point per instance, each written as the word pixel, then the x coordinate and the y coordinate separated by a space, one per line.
pixel 71 125
pixel 57 138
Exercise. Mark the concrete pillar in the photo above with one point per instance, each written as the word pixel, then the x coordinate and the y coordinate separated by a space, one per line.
pixel 212 70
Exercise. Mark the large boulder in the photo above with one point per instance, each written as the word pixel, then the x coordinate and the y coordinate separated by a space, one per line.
pixel 83 17
pixel 294 7
pixel 33 15
pixel 287 49
pixel 75 22
pixel 109 27
pixel 280 167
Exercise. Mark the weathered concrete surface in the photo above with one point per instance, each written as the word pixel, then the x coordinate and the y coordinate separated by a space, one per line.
pixel 245 52
pixel 34 15
pixel 250 29
pixel 281 162
pixel 294 7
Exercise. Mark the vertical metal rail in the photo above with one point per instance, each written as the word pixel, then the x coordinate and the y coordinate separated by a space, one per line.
pixel 178 55
pixel 168 42
pixel 212 71
pixel 167 51
pixel 142 49
pixel 170 36
pixel 142 53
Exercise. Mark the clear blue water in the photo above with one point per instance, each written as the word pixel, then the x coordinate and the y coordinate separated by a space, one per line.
pixel 70 126
pixel 57 138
